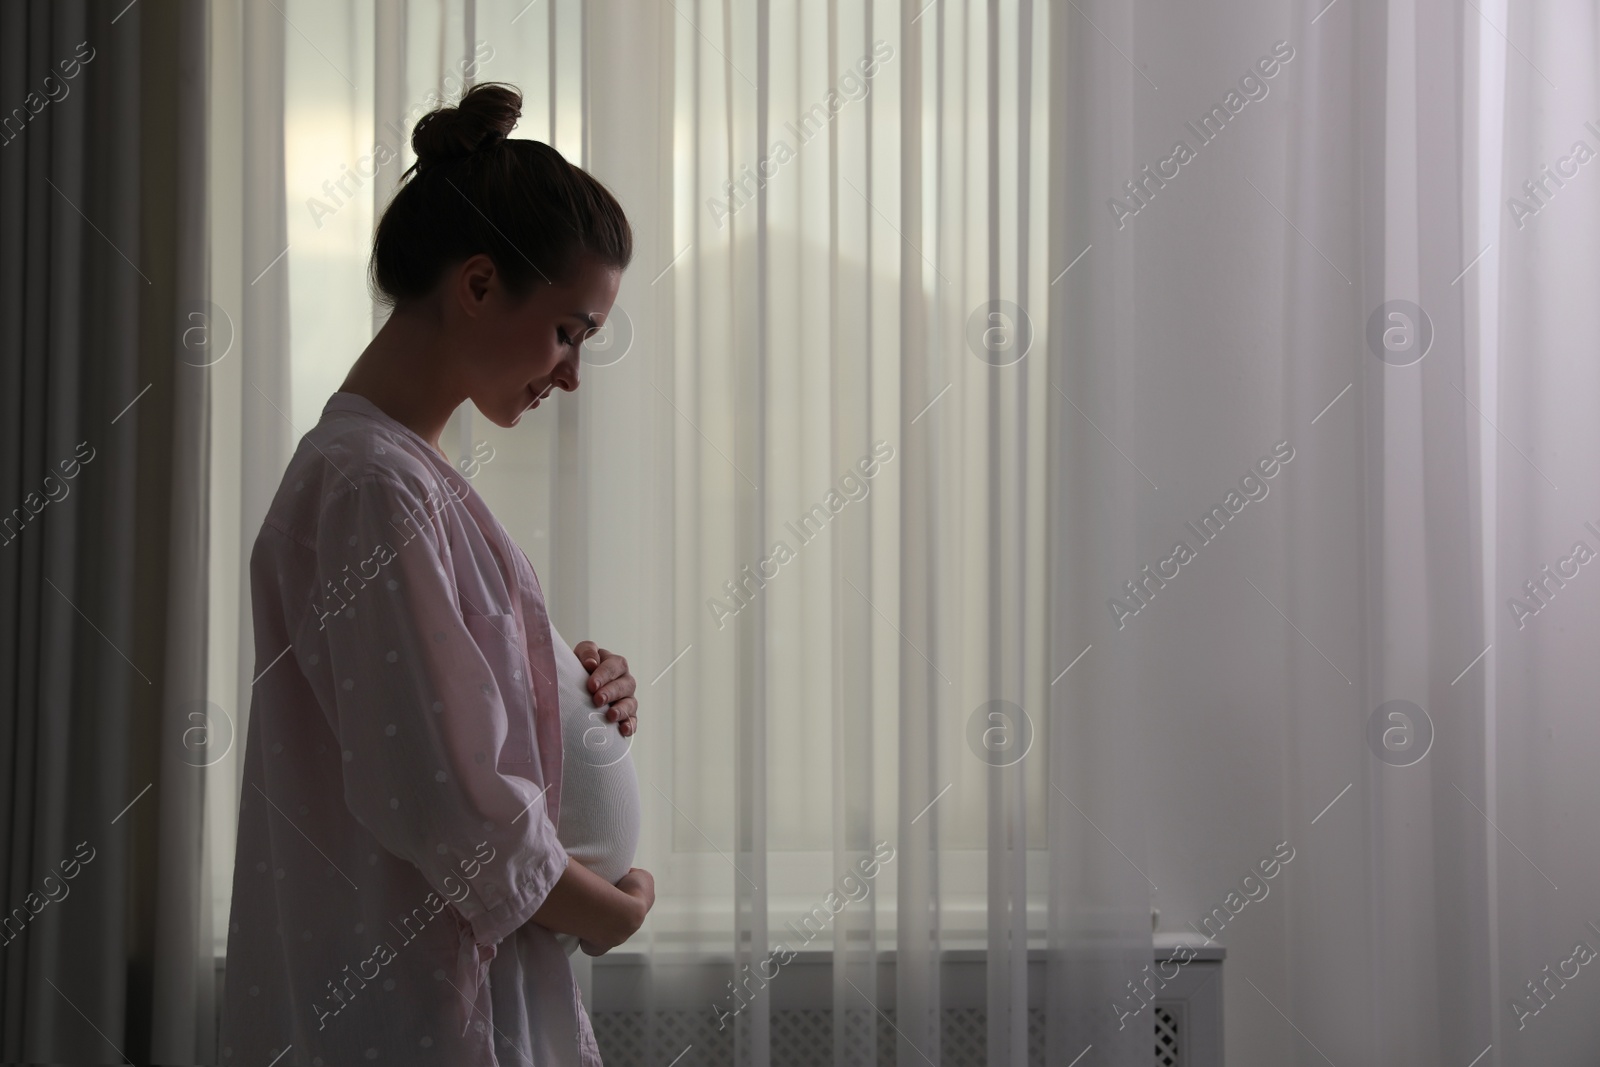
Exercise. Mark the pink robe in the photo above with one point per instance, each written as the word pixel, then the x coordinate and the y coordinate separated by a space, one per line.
pixel 402 774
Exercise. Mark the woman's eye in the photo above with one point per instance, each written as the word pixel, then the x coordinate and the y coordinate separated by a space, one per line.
pixel 562 334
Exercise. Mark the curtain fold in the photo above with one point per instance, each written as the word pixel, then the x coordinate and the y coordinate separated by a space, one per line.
pixel 1097 771
pixel 920 643
pixel 1393 884
pixel 857 941
pixel 1538 397
pixel 249 270
pixel 1339 204
pixel 184 979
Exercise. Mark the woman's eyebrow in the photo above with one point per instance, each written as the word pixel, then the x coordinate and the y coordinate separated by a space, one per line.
pixel 586 319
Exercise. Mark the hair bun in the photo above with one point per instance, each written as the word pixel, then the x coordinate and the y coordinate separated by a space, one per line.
pixel 485 116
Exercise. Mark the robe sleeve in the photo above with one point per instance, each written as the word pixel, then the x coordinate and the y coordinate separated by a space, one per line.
pixel 408 690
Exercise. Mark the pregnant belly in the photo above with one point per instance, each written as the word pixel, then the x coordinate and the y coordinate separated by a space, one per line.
pixel 599 790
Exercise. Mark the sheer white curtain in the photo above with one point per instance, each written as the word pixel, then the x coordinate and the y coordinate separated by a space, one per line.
pixel 952 244
pixel 1355 674
pixel 805 358
pixel 1390 785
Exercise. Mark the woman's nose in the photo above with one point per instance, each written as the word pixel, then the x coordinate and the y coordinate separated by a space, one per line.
pixel 567 374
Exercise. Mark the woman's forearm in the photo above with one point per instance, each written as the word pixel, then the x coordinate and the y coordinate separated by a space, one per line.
pixel 586 906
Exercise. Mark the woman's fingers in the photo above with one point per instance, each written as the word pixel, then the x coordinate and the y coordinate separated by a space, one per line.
pixel 611 683
pixel 625 714
pixel 612 690
pixel 612 668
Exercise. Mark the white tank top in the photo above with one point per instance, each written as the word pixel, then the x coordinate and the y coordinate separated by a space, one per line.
pixel 599 789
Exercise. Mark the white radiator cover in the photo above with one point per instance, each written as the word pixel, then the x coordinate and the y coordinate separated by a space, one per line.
pixel 1185 1019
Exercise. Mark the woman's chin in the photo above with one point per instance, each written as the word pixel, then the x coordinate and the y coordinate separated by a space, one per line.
pixel 511 414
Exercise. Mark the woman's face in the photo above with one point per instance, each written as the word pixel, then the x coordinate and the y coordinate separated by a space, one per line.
pixel 517 351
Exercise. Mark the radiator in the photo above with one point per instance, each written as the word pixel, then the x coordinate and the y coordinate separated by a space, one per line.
pixel 1185 1020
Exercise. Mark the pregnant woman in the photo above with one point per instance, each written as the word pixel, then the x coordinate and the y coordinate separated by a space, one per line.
pixel 438 802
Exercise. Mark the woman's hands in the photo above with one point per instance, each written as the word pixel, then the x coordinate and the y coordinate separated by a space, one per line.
pixel 611 683
pixel 640 886
pixel 600 915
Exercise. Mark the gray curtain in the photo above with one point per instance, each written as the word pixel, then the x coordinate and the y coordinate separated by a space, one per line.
pixel 103 539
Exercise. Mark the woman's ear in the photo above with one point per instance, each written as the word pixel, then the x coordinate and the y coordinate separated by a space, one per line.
pixel 476 280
